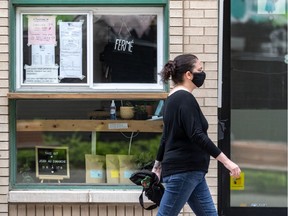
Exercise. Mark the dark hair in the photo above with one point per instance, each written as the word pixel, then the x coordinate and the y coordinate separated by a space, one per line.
pixel 178 67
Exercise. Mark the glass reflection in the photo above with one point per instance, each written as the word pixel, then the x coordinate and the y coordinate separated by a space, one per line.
pixel 125 48
pixel 259 101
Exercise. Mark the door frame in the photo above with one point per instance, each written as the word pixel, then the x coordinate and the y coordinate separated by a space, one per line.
pixel 224 116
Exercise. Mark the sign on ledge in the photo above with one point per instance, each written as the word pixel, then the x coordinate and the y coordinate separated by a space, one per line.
pixel 52 162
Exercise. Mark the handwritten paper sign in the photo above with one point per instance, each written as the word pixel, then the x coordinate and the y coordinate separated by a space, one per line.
pixel 52 162
pixel 41 30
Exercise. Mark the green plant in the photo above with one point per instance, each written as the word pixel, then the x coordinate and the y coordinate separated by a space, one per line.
pixel 143 159
pixel 140 109
pixel 126 104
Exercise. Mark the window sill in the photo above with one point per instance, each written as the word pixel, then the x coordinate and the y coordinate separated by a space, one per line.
pixel 108 96
pixel 74 196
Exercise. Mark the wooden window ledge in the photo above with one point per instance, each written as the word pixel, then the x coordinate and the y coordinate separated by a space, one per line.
pixel 108 96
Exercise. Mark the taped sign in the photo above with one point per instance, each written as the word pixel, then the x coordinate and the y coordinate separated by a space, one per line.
pixel 237 183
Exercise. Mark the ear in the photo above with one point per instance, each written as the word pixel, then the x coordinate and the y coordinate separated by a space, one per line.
pixel 189 75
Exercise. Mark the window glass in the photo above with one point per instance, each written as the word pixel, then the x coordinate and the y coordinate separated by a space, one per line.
pixel 97 48
pixel 54 48
pixel 74 142
pixel 127 49
pixel 259 103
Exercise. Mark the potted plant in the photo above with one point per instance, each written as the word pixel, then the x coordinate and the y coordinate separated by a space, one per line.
pixel 140 112
pixel 126 110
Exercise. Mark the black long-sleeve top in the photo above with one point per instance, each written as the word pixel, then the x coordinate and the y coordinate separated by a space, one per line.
pixel 185 145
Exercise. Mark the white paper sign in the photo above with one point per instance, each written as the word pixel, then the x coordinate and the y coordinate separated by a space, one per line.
pixel 112 126
pixel 70 50
pixel 36 75
pixel 43 55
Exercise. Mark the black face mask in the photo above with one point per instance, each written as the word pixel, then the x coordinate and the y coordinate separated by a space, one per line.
pixel 198 78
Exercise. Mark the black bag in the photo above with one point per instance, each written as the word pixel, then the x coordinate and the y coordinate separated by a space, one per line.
pixel 153 189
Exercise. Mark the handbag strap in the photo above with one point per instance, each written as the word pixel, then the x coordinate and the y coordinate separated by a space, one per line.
pixel 142 203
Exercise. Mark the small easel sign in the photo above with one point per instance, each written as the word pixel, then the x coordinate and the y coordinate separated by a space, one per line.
pixel 52 163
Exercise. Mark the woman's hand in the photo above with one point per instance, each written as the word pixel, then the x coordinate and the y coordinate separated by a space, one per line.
pixel 233 168
pixel 157 169
pixel 230 165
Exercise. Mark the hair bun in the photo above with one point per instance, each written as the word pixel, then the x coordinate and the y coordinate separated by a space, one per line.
pixel 168 70
pixel 170 67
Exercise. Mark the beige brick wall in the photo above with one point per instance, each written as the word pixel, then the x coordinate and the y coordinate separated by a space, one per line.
pixel 194 29
pixel 4 85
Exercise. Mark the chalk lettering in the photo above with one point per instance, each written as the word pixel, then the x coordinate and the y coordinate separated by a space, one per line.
pixel 59 161
pixel 42 161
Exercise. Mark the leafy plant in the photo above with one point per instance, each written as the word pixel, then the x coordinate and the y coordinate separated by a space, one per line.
pixel 126 104
pixel 140 109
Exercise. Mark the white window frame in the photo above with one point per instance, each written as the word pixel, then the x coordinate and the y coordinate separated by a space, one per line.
pixel 89 86
pixel 20 85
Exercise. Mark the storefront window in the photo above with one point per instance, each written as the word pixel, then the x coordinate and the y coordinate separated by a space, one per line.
pixel 259 103
pixel 127 49
pixel 94 48
pixel 72 142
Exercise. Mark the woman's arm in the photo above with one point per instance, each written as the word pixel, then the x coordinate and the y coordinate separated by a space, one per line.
pixel 157 168
pixel 230 165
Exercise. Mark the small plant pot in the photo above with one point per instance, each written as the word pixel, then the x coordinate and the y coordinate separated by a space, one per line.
pixel 141 116
pixel 126 112
pixel 149 110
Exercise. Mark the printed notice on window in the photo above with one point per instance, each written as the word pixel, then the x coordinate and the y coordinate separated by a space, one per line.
pixel 36 75
pixel 70 50
pixel 237 183
pixel 43 55
pixel 41 30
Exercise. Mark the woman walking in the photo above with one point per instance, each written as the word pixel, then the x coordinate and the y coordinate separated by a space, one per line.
pixel 184 152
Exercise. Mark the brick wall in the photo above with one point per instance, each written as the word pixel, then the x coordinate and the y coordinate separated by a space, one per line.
pixel 4 70
pixel 194 29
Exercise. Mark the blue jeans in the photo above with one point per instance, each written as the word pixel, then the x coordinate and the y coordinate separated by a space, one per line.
pixel 185 187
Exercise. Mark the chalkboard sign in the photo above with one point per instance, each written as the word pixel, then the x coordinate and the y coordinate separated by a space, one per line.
pixel 52 162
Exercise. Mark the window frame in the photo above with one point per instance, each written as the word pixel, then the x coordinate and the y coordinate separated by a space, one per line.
pixel 58 92
pixel 89 85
